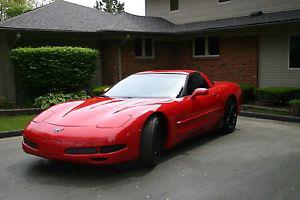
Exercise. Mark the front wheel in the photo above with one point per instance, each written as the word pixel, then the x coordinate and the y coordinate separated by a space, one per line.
pixel 151 143
pixel 230 116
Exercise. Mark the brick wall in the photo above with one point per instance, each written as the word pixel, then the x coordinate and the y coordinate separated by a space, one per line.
pixel 165 52
pixel 237 61
pixel 109 59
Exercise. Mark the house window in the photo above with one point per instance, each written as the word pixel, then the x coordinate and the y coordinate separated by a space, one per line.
pixel 174 5
pixel 206 46
pixel 144 48
pixel 138 47
pixel 199 45
pixel 223 1
pixel 294 52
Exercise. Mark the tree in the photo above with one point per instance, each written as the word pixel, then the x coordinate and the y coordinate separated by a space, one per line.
pixel 39 3
pixel 111 6
pixel 11 8
pixel 17 7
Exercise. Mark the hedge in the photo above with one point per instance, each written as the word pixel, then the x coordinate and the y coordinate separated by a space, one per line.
pixel 277 95
pixel 248 92
pixel 99 90
pixel 53 69
pixel 295 102
pixel 51 99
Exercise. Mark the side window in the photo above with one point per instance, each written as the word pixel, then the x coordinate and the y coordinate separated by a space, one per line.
pixel 174 5
pixel 294 52
pixel 224 1
pixel 195 81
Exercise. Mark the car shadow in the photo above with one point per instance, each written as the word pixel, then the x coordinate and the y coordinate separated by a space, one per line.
pixel 61 173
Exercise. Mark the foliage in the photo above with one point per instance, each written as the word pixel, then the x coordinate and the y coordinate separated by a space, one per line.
pixel 4 103
pixel 12 8
pixel 99 90
pixel 53 69
pixel 295 102
pixel 39 3
pixel 277 95
pixel 51 99
pixel 248 92
pixel 111 6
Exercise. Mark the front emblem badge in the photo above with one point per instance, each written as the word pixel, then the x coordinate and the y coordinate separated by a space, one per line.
pixel 57 130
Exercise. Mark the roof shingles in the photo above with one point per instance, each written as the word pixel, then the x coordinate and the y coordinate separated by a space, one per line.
pixel 65 16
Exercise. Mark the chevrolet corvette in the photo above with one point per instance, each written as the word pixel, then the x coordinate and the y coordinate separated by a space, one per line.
pixel 135 120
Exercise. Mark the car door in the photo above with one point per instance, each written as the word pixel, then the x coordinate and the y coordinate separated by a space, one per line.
pixel 199 113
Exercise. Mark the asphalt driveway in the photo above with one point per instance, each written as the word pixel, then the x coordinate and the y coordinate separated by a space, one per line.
pixel 261 160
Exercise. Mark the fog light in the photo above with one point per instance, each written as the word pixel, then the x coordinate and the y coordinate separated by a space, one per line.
pixel 113 148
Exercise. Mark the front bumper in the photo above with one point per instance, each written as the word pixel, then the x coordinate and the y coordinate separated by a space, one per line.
pixel 41 140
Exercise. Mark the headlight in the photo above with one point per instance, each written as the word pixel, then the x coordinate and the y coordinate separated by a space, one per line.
pixel 114 122
pixel 43 116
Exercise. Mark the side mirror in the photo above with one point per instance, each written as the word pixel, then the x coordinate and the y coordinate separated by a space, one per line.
pixel 199 92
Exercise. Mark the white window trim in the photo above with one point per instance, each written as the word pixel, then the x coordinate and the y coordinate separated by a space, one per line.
pixel 144 50
pixel 206 49
pixel 226 2
pixel 289 48
pixel 173 11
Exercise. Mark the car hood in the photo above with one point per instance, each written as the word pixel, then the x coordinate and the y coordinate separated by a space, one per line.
pixel 103 112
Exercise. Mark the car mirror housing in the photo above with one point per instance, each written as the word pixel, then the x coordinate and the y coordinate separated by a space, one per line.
pixel 199 92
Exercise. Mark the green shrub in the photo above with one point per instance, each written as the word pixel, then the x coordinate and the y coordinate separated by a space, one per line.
pixel 247 91
pixel 295 102
pixel 99 90
pixel 4 104
pixel 51 99
pixel 277 95
pixel 53 69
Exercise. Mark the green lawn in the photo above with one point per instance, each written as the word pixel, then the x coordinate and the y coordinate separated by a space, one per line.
pixel 10 123
pixel 267 111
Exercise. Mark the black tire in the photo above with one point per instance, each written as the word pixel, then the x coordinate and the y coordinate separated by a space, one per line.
pixel 230 116
pixel 151 143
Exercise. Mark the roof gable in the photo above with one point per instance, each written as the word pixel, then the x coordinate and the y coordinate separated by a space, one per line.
pixel 62 16
pixel 66 16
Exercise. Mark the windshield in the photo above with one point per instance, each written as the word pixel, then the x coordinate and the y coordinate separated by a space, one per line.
pixel 149 86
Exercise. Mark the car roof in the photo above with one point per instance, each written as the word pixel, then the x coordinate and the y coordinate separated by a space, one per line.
pixel 168 72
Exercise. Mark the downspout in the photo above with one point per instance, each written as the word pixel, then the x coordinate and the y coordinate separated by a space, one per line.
pixel 17 38
pixel 120 56
pixel 11 81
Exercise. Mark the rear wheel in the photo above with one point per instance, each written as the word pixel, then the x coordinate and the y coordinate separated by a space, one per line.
pixel 151 143
pixel 230 117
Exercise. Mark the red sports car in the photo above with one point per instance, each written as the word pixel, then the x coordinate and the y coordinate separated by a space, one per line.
pixel 135 119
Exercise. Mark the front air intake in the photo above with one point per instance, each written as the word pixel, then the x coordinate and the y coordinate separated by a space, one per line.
pixel 99 159
pixel 113 148
pixel 86 150
pixel 29 143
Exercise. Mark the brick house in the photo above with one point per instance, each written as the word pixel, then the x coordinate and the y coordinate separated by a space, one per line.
pixel 254 42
